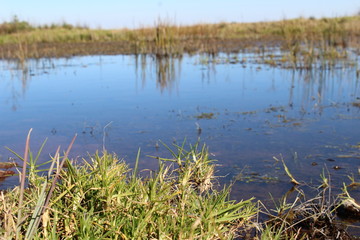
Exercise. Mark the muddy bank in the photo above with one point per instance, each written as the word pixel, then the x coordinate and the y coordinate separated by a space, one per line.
pixel 49 50
pixel 304 40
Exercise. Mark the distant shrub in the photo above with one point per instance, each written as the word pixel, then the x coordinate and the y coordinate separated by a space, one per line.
pixel 67 26
pixel 15 26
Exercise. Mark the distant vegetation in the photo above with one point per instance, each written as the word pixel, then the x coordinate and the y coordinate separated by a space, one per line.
pixel 17 26
pixel 305 41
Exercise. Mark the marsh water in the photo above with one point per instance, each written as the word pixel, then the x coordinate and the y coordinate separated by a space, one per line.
pixel 246 113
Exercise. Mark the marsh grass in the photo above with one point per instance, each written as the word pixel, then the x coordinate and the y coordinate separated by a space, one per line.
pixel 295 216
pixel 303 43
pixel 302 218
pixel 101 197
pixel 288 173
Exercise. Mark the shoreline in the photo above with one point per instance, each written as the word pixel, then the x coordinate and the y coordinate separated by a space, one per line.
pixel 299 37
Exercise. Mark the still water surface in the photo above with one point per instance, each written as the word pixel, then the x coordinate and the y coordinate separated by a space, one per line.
pixel 245 113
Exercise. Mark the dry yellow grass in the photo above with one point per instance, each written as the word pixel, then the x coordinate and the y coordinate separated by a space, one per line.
pixel 166 38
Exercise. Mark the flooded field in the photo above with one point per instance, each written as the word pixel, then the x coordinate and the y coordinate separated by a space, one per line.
pixel 247 113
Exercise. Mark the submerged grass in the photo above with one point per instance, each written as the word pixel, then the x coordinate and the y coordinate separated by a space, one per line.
pixel 101 197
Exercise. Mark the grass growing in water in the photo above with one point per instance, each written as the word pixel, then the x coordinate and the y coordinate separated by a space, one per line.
pixel 101 197
pixel 302 43
pixel 315 218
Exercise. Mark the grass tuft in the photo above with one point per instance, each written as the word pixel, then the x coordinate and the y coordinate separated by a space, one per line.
pixel 101 197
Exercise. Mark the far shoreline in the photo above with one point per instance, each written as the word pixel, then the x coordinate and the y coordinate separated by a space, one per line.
pixel 20 40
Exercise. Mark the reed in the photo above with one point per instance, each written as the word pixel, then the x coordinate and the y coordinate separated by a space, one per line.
pixel 304 43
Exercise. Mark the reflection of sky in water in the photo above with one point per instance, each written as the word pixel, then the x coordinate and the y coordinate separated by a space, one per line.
pixel 259 112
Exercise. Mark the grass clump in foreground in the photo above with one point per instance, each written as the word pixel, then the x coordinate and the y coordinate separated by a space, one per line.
pixel 103 198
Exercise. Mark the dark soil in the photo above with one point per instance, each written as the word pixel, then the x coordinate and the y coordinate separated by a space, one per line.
pixel 50 50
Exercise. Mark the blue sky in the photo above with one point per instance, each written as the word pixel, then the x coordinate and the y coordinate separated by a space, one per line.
pixel 136 13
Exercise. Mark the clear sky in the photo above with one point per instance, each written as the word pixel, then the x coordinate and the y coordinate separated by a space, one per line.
pixel 136 13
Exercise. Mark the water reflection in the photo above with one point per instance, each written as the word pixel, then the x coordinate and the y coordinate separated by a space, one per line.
pixel 16 76
pixel 167 70
pixel 315 85
pixel 246 112
pixel 323 88
pixel 15 83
